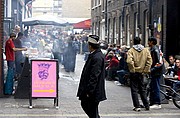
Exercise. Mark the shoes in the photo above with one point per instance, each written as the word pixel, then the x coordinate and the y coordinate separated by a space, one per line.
pixel 137 109
pixel 142 106
pixel 155 106
pixel 109 79
pixel 117 83
pixel 147 108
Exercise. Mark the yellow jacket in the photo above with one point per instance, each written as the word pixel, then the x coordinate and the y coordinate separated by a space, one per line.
pixel 139 59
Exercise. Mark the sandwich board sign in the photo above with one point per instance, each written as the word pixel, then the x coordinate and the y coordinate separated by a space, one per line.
pixel 44 80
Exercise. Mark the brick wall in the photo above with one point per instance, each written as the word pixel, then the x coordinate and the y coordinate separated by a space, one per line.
pixel 1 40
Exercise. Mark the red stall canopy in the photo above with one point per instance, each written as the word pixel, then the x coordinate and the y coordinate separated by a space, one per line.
pixel 86 24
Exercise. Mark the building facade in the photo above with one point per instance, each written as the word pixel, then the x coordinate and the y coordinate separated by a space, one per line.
pixel 76 8
pixel 1 42
pixel 62 8
pixel 50 7
pixel 12 12
pixel 119 21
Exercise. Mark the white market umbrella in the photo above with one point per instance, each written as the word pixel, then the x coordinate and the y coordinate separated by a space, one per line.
pixel 44 20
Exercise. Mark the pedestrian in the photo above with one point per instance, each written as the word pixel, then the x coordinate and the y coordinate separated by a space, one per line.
pixel 112 66
pixel 91 89
pixel 176 85
pixel 123 72
pixel 69 56
pixel 156 73
pixel 17 29
pixel 56 48
pixel 171 67
pixel 86 51
pixel 19 57
pixel 10 57
pixel 139 62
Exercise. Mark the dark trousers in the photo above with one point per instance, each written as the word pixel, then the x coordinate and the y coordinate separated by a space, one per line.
pixel 121 74
pixel 112 73
pixel 137 86
pixel 18 64
pixel 155 90
pixel 91 108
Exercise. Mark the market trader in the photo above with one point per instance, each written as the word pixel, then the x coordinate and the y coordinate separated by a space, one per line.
pixel 10 57
pixel 92 83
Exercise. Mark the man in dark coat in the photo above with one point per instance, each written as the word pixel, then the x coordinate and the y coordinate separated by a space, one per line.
pixel 92 83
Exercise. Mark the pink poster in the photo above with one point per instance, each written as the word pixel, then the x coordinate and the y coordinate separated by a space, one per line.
pixel 44 78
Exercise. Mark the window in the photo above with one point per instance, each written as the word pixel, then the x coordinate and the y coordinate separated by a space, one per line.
pixel 103 2
pixel 136 24
pixel 115 34
pixel 128 30
pixel 121 30
pixel 146 28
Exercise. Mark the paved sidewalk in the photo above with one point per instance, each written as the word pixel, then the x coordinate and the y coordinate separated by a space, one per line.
pixel 117 105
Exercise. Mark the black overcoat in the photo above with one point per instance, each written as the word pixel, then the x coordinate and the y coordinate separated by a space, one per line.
pixel 92 82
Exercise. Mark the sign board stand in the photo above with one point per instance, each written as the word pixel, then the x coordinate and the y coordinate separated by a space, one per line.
pixel 22 90
pixel 44 80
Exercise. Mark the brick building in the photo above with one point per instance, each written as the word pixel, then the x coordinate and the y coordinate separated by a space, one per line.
pixel 1 42
pixel 119 21
pixel 11 14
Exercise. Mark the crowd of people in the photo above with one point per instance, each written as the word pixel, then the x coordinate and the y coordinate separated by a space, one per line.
pixel 124 65
pixel 129 66
pixel 34 43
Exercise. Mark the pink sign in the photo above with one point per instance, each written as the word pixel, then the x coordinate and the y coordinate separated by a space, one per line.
pixel 44 78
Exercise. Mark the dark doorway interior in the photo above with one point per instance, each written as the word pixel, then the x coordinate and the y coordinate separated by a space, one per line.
pixel 173 25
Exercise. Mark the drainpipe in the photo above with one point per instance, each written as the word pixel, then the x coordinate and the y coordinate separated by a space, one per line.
pixel 106 26
pixel 162 30
pixel 150 18
pixel 139 17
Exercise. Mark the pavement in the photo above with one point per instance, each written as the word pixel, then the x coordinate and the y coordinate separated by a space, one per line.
pixel 117 105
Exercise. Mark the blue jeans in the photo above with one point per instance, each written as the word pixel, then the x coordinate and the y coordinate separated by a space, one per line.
pixel 121 74
pixel 8 87
pixel 155 90
pixel 176 85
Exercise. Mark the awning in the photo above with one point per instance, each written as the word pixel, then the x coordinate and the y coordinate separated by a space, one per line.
pixel 86 24
pixel 44 20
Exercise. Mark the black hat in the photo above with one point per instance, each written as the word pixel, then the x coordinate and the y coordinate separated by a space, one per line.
pixel 93 39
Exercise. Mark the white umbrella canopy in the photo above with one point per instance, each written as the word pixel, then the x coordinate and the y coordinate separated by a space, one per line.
pixel 44 20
